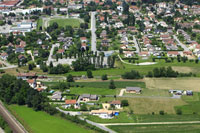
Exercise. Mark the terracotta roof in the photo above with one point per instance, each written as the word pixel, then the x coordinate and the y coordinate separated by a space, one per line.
pixel 173 52
pixel 70 101
pixel 26 74
pixel 31 81
pixel 40 89
pixel 116 102
pixel 61 51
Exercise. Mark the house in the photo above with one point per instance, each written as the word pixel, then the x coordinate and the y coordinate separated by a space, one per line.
pixel 103 34
pixel 61 51
pixel 57 96
pixel 83 46
pixel 40 89
pixel 83 40
pixel 128 54
pixel 104 114
pixel 172 53
pixel 26 76
pixel 35 53
pixel 39 41
pixel 21 57
pixel 144 53
pixel 19 49
pixel 70 103
pixel 32 83
pixel 116 104
pixel 4 56
pixel 88 97
pixel 136 90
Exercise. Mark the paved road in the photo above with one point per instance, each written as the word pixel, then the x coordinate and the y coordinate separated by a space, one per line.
pixel 93 30
pixel 1 130
pixel 181 44
pixel 50 59
pixel 8 66
pixel 136 44
pixel 151 123
pixel 12 122
pixel 88 121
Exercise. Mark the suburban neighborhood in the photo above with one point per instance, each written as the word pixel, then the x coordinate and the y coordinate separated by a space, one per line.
pixel 117 66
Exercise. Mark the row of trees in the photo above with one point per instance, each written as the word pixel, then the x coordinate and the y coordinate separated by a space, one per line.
pixel 167 72
pixel 17 91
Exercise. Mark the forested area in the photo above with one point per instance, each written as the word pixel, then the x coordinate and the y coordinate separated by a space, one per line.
pixel 17 91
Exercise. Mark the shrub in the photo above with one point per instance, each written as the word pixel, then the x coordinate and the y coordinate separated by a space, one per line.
pixel 125 103
pixel 161 112
pixel 179 112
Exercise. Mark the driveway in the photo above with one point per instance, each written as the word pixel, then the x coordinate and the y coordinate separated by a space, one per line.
pixel 136 44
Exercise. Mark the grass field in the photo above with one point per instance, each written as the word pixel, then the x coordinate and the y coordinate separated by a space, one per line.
pixel 173 83
pixel 41 122
pixel 149 105
pixel 183 128
pixel 65 22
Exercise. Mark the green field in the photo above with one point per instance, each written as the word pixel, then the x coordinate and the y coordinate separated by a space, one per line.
pixel 183 128
pixel 104 84
pixel 66 22
pixel 39 23
pixel 122 68
pixel 41 122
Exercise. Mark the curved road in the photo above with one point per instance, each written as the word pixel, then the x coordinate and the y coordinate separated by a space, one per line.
pixel 12 122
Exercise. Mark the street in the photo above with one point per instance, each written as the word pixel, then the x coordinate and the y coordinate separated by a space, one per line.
pixel 136 44
pixel 12 122
pixel 181 44
pixel 93 30
pixel 8 66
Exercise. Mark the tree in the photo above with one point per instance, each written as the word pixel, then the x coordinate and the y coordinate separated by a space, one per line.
pixel 30 67
pixel 104 77
pixel 83 107
pixel 89 74
pixel 179 112
pixel 161 112
pixel 70 78
pixel 124 103
pixel 112 85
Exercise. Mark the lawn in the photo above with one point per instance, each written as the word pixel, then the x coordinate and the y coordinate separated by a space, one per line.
pixel 173 83
pixel 39 23
pixel 41 122
pixel 183 128
pixel 66 22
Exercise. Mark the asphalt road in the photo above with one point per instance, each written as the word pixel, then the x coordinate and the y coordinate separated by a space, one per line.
pixel 93 30
pixel 12 122
pixel 136 44
pixel 181 44
pixel 8 66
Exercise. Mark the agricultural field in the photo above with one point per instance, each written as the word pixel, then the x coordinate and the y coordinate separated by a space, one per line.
pixel 183 128
pixel 41 122
pixel 173 83
pixel 66 22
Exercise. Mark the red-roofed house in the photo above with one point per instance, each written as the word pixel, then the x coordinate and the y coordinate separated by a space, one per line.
pixel 32 83
pixel 83 39
pixel 4 56
pixel 172 53
pixel 61 51
pixel 70 103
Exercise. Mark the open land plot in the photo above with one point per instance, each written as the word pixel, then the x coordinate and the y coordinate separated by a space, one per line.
pixel 183 128
pixel 41 122
pixel 149 105
pixel 66 22
pixel 173 83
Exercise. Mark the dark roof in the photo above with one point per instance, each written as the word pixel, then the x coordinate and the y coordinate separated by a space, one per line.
pixel 133 88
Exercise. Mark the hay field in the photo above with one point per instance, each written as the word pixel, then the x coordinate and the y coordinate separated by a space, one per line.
pixel 173 83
